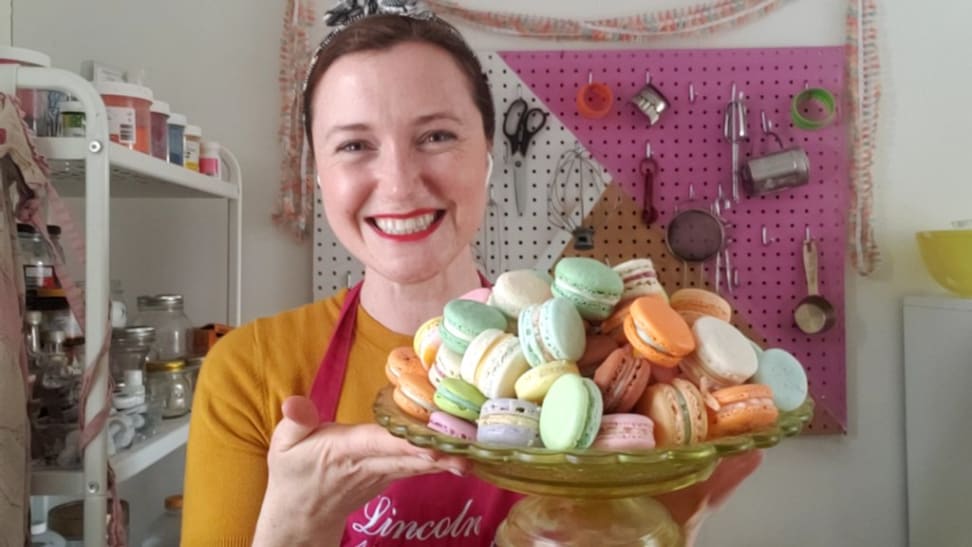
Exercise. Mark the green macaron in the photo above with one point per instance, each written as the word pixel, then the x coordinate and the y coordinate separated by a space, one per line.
pixel 463 320
pixel 592 286
pixel 459 398
pixel 571 413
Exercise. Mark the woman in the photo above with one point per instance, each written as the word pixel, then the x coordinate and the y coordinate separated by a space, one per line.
pixel 401 124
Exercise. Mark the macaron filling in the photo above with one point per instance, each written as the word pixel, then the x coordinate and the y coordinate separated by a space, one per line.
pixel 683 411
pixel 651 342
pixel 419 401
pixel 604 299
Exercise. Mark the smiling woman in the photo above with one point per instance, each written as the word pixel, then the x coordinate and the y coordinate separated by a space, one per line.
pixel 401 123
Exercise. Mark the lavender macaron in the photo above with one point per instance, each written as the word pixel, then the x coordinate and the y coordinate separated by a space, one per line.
pixel 509 422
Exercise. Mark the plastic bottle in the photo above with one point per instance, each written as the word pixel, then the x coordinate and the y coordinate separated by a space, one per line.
pixel 165 530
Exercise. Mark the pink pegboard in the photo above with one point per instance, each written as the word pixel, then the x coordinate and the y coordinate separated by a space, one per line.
pixel 690 149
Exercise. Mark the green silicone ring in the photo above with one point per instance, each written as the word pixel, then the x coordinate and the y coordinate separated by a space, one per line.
pixel 820 95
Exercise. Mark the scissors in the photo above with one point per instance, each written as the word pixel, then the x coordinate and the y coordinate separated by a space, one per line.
pixel 649 170
pixel 526 123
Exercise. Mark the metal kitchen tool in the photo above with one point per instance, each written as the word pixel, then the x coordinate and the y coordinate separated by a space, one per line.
pixel 520 124
pixel 650 101
pixel 814 314
pixel 649 170
pixel 696 234
pixel 566 195
pixel 785 168
pixel 735 131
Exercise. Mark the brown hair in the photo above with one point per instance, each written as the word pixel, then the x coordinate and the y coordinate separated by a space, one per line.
pixel 381 32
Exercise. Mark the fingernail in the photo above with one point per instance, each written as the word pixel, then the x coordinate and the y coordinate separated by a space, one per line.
pixel 427 457
pixel 456 472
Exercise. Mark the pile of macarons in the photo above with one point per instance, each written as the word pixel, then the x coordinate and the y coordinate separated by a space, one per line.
pixel 594 357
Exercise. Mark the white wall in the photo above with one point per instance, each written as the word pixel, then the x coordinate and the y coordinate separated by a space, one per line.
pixel 848 490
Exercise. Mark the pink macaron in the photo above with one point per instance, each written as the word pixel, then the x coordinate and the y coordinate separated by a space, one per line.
pixel 480 295
pixel 625 432
pixel 452 426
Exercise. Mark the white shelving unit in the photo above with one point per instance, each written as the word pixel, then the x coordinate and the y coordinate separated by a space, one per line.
pixel 97 170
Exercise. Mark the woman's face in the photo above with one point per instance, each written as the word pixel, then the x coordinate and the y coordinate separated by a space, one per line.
pixel 401 157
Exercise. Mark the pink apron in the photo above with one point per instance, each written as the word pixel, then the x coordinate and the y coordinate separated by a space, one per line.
pixel 433 510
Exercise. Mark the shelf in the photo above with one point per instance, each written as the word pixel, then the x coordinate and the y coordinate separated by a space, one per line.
pixel 70 482
pixel 940 301
pixel 133 174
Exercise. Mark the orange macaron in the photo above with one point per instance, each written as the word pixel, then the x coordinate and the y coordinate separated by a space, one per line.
pixel 415 396
pixel 742 409
pixel 693 303
pixel 401 361
pixel 657 332
pixel 678 411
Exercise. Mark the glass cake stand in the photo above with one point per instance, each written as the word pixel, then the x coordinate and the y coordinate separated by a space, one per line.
pixel 588 497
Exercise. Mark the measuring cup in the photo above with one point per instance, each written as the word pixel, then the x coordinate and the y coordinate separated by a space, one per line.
pixel 814 314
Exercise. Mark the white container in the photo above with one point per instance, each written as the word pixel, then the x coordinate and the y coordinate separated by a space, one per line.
pixel 165 530
pixel 209 162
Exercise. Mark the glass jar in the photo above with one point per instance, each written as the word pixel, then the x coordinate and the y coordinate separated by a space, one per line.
pixel 172 327
pixel 169 384
pixel 37 258
pixel 130 348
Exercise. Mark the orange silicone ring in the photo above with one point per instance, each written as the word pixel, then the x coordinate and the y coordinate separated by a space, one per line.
pixel 594 100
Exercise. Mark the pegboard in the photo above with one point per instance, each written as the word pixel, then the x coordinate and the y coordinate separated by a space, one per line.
pixel 690 149
pixel 689 146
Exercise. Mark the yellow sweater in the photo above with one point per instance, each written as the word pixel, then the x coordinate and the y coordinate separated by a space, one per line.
pixel 243 383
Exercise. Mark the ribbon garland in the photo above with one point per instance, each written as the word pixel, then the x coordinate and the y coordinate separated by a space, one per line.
pixel 634 28
pixel 864 94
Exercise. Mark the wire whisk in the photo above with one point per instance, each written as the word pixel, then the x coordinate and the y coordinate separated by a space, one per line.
pixel 576 181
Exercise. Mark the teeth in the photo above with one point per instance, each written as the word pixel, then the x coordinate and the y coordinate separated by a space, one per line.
pixel 405 226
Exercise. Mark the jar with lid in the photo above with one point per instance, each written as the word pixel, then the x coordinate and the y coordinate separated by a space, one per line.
pixel 33 102
pixel 71 120
pixel 193 139
pixel 38 257
pixel 166 528
pixel 160 129
pixel 130 348
pixel 172 327
pixel 170 386
pixel 209 161
pixel 177 127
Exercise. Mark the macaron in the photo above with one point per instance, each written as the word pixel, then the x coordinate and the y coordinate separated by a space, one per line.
pixel 493 362
pixel 534 383
pixel 692 303
pixel 402 361
pixel 592 286
pixel 596 349
pixel 571 414
pixel 462 320
pixel 452 426
pixel 639 279
pixel 742 409
pixel 447 365
pixel 622 379
pixel 509 422
pixel 480 295
pixel 427 341
pixel 678 412
pixel 622 432
pixel 459 398
pixel 517 289
pixel 552 331
pixel 657 332
pixel 613 326
pixel 723 356
pixel 414 395
pixel 784 375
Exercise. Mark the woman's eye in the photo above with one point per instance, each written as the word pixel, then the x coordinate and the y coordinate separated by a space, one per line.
pixel 439 136
pixel 352 146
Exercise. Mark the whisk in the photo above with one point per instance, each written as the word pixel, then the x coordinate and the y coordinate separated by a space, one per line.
pixel 576 179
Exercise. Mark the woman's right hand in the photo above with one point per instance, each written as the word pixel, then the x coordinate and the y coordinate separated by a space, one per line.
pixel 320 473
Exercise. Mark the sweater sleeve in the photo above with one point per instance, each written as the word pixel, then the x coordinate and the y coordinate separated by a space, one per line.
pixel 229 435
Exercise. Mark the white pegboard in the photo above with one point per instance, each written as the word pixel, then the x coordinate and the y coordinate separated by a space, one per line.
pixel 523 242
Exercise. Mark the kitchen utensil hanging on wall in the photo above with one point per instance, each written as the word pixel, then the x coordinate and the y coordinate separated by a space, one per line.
pixel 814 313
pixel 648 168
pixel 594 99
pixel 735 130
pixel 576 178
pixel 694 235
pixel 650 101
pixel 775 171
pixel 520 124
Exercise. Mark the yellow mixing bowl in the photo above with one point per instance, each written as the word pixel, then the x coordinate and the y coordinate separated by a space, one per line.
pixel 948 257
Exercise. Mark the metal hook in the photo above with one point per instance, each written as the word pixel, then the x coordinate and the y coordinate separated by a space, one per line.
pixel 647 150
pixel 766 124
pixel 347 281
pixel 647 77
pixel 691 192
pixel 765 237
pixel 590 77
pixel 807 235
pixel 692 93
pixel 519 91
pixel 735 277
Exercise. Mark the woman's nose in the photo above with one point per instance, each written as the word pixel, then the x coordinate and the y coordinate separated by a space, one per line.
pixel 399 171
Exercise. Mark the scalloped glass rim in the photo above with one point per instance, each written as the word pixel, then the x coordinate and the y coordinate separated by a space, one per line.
pixel 401 425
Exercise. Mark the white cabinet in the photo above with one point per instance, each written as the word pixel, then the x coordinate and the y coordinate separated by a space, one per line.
pixel 938 413
pixel 97 170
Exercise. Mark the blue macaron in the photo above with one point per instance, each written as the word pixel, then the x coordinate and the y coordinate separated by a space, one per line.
pixel 784 374
pixel 552 331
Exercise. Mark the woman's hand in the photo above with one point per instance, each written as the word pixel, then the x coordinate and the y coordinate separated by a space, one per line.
pixel 321 473
pixel 690 506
